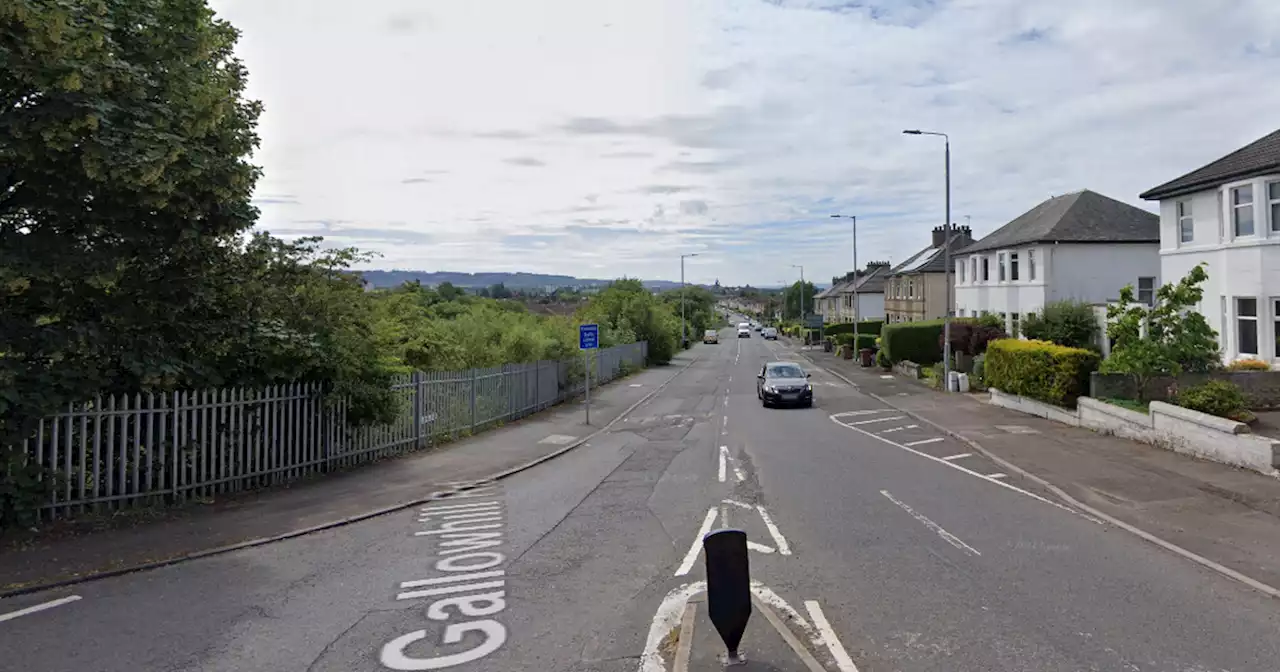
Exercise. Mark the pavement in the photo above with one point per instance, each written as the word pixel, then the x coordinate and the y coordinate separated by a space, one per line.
pixel 1228 515
pixel 128 540
pixel 871 548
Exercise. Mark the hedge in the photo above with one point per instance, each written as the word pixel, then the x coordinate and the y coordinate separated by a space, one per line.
pixel 912 341
pixel 864 327
pixel 866 341
pixel 1039 369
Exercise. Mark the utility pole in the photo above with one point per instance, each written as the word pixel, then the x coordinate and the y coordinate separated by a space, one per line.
pixel 946 316
pixel 684 335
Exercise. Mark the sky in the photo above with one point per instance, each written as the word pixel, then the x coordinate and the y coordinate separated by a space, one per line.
pixel 603 138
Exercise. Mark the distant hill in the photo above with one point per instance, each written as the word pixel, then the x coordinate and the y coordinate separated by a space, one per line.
pixel 386 279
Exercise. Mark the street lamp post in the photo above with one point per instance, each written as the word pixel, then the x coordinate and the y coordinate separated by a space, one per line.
pixel 684 335
pixel 857 315
pixel 802 313
pixel 946 246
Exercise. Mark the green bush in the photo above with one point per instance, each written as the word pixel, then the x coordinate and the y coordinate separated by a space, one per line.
pixel 918 342
pixel 1067 322
pixel 864 327
pixel 976 378
pixel 882 359
pixel 1215 397
pixel 866 341
pixel 1040 370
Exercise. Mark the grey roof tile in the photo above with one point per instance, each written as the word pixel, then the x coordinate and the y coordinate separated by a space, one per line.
pixel 1256 158
pixel 1082 217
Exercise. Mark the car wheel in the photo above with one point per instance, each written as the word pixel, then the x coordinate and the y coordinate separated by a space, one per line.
pixel 764 403
pixel 808 404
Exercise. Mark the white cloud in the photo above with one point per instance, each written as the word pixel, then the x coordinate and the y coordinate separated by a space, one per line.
pixel 603 137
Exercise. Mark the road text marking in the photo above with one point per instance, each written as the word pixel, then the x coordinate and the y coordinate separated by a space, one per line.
pixel 38 607
pixel 946 536
pixel 961 456
pixel 921 442
pixel 828 636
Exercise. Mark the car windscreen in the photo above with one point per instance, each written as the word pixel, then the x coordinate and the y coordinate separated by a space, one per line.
pixel 787 371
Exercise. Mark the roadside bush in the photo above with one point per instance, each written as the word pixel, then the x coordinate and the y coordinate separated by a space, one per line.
pixel 865 341
pixel 1069 323
pixel 1248 365
pixel 1040 370
pixel 882 359
pixel 914 341
pixel 976 378
pixel 991 320
pixel 1215 397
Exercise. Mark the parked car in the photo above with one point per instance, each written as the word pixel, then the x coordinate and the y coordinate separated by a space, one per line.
pixel 784 383
pixel 770 333
pixel 711 336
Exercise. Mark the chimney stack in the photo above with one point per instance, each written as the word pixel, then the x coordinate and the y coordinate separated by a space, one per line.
pixel 960 236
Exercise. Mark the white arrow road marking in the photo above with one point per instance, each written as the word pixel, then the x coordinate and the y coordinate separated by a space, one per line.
pixel 38 607
pixel 828 635
pixel 753 546
pixel 946 536
pixel 696 547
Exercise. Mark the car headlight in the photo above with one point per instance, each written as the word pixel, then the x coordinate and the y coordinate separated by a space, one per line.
pixel 770 389
pixel 808 387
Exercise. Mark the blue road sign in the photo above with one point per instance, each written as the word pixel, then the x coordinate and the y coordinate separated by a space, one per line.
pixel 588 336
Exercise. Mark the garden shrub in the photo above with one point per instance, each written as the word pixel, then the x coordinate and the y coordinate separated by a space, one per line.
pixel 865 341
pixel 970 336
pixel 1248 365
pixel 1215 397
pixel 1040 370
pixel 1066 322
pixel 912 341
pixel 882 359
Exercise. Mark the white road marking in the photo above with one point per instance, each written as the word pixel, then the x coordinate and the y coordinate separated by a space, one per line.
pixel 664 620
pixel 778 539
pixel 998 474
pixel 38 607
pixel 636 385
pixel 447 590
pixel 873 420
pixel 753 546
pixel 886 376
pixel 455 578
pixel 696 547
pixel 726 421
pixel 971 472
pixel 867 412
pixel 961 456
pixel 921 442
pixel 843 662
pixel 946 536
pixel 898 429
pixel 724 459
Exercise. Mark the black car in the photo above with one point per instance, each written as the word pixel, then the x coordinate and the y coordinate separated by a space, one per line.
pixel 784 383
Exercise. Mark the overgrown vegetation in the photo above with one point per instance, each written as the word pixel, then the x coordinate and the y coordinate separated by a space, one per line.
pixel 1040 370
pixel 1066 322
pixel 1248 365
pixel 1167 339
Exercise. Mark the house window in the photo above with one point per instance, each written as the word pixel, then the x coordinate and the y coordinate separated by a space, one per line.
pixel 973 268
pixel 1031 264
pixel 962 265
pixel 1147 291
pixel 986 269
pixel 1275 323
pixel 1247 325
pixel 1000 258
pixel 1015 329
pixel 1186 226
pixel 1013 266
pixel 1242 210
pixel 1273 201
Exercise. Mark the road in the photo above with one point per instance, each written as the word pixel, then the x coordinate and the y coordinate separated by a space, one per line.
pixel 883 545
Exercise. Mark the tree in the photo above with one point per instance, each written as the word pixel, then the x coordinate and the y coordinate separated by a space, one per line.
pixel 124 193
pixel 1166 339
pixel 699 308
pixel 449 292
pixel 1066 322
pixel 791 300
pixel 627 312
pixel 499 291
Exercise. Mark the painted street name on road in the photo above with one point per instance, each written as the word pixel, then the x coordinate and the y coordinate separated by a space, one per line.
pixel 468 529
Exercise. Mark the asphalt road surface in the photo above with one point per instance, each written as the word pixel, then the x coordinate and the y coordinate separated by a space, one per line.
pixel 878 544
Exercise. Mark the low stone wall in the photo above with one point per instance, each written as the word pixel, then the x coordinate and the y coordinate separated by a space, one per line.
pixel 1174 428
pixel 1261 388
pixel 908 369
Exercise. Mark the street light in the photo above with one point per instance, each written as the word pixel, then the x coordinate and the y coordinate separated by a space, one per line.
pixel 856 314
pixel 684 336
pixel 802 313
pixel 946 246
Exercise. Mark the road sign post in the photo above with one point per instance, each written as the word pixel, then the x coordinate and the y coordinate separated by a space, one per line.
pixel 588 340
pixel 728 587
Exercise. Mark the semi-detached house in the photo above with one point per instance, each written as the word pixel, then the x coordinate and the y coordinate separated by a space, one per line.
pixel 1081 246
pixel 1226 215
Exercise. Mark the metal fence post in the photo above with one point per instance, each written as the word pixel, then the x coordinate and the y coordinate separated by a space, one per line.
pixel 417 409
pixel 537 385
pixel 473 401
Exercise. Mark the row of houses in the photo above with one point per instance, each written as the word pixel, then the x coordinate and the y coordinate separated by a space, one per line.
pixel 1085 246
